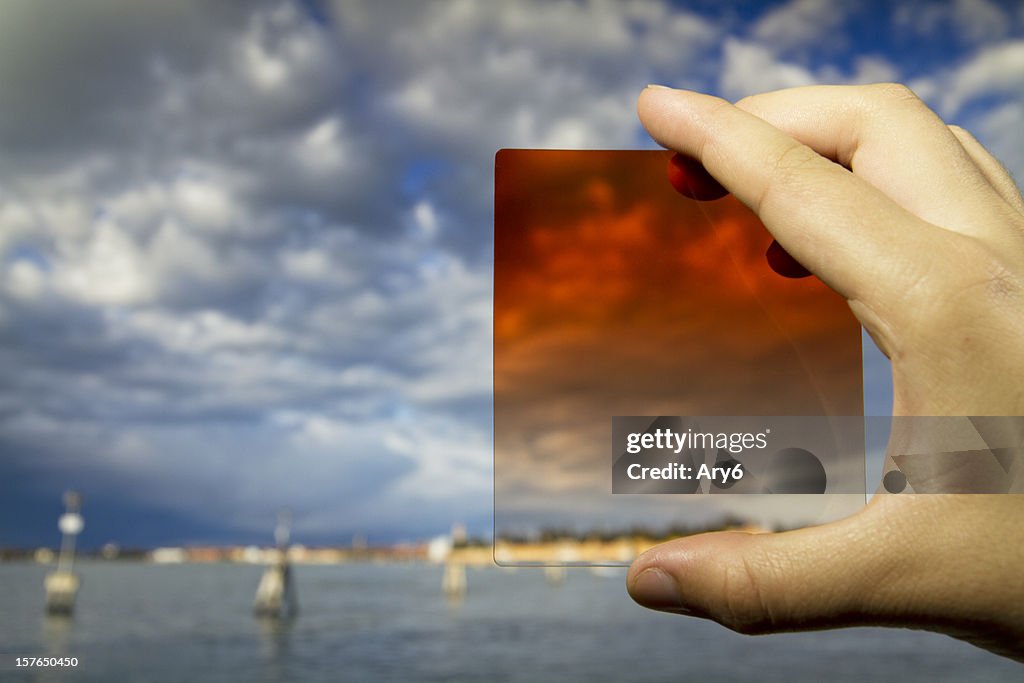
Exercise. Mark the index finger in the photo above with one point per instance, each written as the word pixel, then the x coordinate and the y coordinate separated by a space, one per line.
pixel 846 231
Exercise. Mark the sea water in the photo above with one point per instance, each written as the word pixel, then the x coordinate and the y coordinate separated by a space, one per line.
pixel 365 622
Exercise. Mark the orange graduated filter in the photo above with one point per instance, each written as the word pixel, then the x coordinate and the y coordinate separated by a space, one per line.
pixel 616 295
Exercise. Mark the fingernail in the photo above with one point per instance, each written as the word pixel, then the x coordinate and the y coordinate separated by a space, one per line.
pixel 655 589
pixel 655 86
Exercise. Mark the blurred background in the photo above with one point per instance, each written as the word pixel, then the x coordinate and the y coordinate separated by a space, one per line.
pixel 245 264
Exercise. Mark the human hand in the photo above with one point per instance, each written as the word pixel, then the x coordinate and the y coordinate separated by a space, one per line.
pixel 922 231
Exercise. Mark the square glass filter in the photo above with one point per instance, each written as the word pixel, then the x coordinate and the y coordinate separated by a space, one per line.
pixel 615 296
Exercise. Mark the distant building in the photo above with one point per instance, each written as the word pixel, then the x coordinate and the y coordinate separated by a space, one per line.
pixel 167 556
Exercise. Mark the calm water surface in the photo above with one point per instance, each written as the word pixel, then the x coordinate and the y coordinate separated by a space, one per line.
pixel 139 622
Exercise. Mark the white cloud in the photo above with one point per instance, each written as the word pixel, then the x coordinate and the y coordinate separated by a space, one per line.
pixel 272 50
pixel 566 74
pixel 750 68
pixel 425 219
pixel 980 21
pixel 202 332
pixel 321 149
pixel 15 221
pixel 448 452
pixel 204 203
pixel 801 23
pixel 108 270
pixel 993 70
pixel 971 22
pixel 25 280
pixel 919 17
pixel 992 75
pixel 307 264
pixel 867 69
pixel 114 266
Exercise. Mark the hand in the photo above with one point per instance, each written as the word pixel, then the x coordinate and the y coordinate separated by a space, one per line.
pixel 922 231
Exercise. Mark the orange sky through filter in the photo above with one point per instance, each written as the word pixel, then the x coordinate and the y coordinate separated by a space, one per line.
pixel 615 295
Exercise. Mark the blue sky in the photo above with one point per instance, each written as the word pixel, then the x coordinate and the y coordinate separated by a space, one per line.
pixel 244 250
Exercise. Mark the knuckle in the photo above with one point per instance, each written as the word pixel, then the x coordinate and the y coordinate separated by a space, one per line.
pixel 1002 284
pixel 985 269
pixel 708 144
pixel 788 174
pixel 795 158
pixel 744 609
pixel 978 284
pixel 896 93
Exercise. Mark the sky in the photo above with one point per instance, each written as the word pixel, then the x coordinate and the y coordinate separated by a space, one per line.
pixel 245 248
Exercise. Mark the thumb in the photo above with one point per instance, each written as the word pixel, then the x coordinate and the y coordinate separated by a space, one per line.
pixel 826 576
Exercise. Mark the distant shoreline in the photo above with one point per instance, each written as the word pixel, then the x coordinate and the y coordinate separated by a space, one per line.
pixel 553 549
